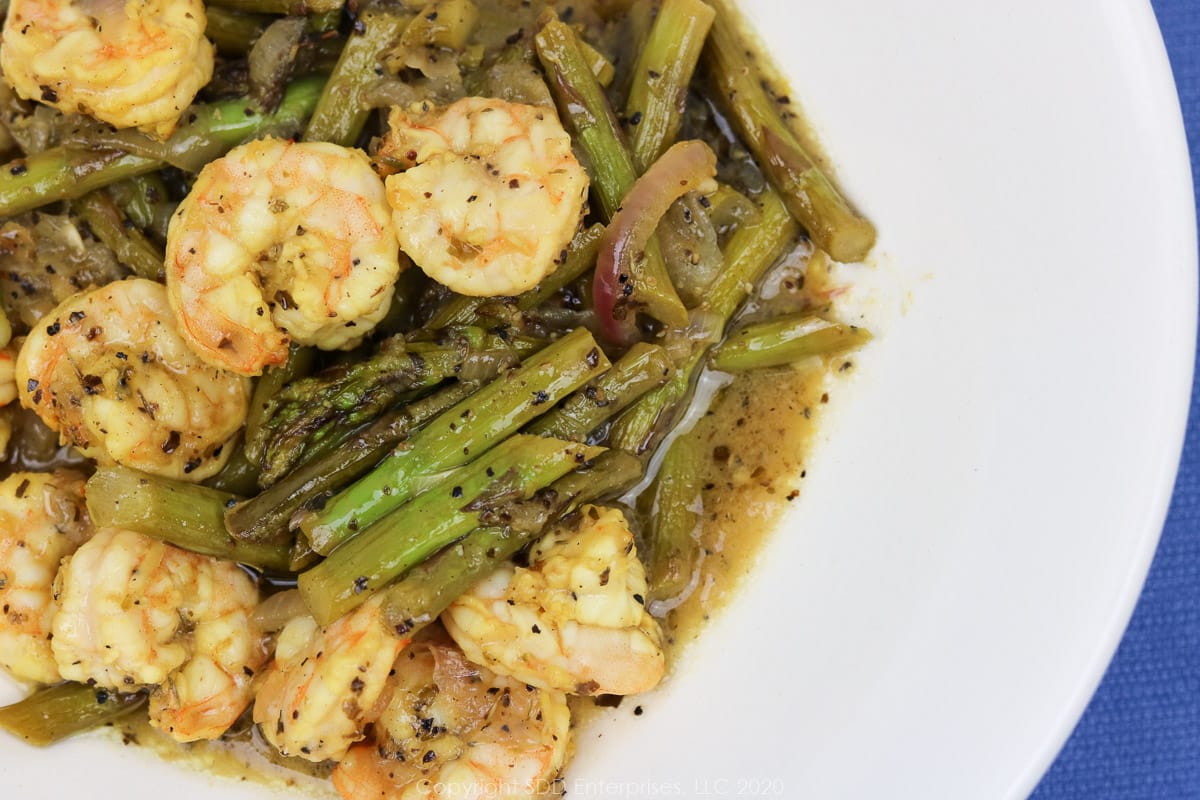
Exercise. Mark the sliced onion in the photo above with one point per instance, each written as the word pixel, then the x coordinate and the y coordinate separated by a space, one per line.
pixel 685 167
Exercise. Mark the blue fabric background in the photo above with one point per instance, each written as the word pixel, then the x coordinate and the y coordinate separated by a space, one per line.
pixel 1140 735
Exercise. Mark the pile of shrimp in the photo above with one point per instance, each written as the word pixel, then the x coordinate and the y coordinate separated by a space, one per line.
pixel 281 244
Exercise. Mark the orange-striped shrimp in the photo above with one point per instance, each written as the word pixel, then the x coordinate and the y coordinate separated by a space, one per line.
pixel 326 685
pixel 135 612
pixel 108 370
pixel 490 194
pixel 280 242
pixel 130 63
pixel 42 519
pixel 574 620
pixel 453 729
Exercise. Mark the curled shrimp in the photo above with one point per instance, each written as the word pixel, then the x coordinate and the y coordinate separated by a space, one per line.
pixel 108 370
pixel 132 64
pixel 453 729
pixel 574 620
pixel 280 242
pixel 42 519
pixel 135 612
pixel 490 193
pixel 325 685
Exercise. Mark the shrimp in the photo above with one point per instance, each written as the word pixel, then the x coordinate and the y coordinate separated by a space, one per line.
pixel 325 684
pixel 574 620
pixel 108 370
pixel 132 64
pixel 42 519
pixel 490 195
pixel 135 612
pixel 280 242
pixel 453 729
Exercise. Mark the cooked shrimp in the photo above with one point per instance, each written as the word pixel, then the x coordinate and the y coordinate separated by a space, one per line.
pixel 42 519
pixel 453 729
pixel 280 242
pixel 135 612
pixel 325 684
pixel 8 378
pixel 490 195
pixel 132 64
pixel 573 620
pixel 108 370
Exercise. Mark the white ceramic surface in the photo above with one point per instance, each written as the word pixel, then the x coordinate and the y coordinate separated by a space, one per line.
pixel 979 516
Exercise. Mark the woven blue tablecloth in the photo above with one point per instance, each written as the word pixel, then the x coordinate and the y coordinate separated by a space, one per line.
pixel 1140 735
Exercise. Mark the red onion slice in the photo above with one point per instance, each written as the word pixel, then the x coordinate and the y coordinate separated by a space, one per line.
pixel 685 167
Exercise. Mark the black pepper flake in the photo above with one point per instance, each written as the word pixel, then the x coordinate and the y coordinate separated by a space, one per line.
pixel 191 466
pixel 101 696
pixel 640 600
pixel 637 711
pixel 456 491
pixel 31 385
pixel 357 685
pixel 22 488
pixel 360 584
pixel 18 169
pixel 514 184
pixel 172 443
pixel 593 357
pixel 49 95
pixel 92 384
pixel 635 118
pixel 76 316
pixel 54 328
pixel 429 756
pixel 122 356
pixel 536 629
pixel 540 397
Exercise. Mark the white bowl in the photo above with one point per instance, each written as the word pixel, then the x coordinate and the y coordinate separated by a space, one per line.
pixel 982 508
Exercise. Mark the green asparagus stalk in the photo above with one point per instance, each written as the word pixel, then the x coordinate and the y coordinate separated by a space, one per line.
pixel 664 69
pixel 289 7
pixel 340 113
pixel 447 511
pixel 462 433
pixel 581 256
pixel 642 368
pixel 427 589
pixel 232 31
pixel 56 712
pixel 144 200
pixel 749 253
pixel 239 476
pixel 674 519
pixel 265 517
pixel 786 340
pixel 311 410
pixel 810 195
pixel 582 103
pixel 68 172
pixel 182 514
pixel 129 244
pixel 267 389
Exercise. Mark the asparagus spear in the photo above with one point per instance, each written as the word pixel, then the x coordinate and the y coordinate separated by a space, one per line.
pixel 664 69
pixel 130 245
pixel 289 7
pixel 642 368
pixel 56 712
pixel 340 113
pixel 463 432
pixel 749 253
pixel 65 173
pixel 265 399
pixel 582 103
pixel 182 514
pixel 310 410
pixel 232 31
pixel 427 589
pixel 674 517
pixel 448 510
pixel 581 256
pixel 786 340
pixel 265 517
pixel 811 197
